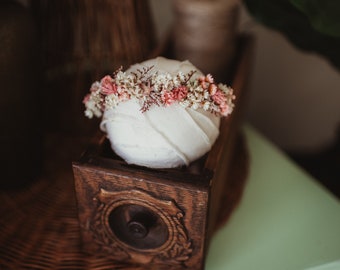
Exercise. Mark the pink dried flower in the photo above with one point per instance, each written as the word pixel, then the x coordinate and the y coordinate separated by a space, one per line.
pixel 108 86
pixel 225 109
pixel 219 97
pixel 180 92
pixel 86 98
pixel 209 78
pixel 212 89
pixel 167 97
pixel 202 82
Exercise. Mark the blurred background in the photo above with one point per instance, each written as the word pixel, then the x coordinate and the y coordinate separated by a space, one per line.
pixel 294 97
pixel 294 94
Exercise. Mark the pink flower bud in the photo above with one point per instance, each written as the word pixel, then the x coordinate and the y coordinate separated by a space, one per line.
pixel 86 98
pixel 212 89
pixel 219 97
pixel 209 78
pixel 167 97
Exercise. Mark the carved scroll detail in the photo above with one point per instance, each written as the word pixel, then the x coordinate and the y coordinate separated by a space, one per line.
pixel 177 249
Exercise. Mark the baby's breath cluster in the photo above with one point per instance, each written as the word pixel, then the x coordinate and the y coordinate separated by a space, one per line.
pixel 160 89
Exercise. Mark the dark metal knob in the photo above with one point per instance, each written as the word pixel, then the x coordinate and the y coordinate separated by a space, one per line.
pixel 137 229
pixel 138 226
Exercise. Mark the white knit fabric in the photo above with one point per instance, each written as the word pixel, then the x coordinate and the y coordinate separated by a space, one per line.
pixel 162 137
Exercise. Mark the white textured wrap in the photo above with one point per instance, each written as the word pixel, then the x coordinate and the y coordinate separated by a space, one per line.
pixel 162 137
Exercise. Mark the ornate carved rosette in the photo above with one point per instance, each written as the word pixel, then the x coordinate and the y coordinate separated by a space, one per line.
pixel 134 226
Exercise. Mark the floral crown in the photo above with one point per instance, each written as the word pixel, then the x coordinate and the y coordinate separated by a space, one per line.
pixel 161 89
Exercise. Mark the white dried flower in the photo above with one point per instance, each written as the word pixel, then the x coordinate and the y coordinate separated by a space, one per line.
pixel 206 105
pixel 194 106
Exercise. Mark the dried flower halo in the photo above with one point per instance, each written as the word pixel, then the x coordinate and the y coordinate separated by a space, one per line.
pixel 161 89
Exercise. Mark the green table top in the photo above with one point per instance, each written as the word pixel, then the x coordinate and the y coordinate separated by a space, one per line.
pixel 285 220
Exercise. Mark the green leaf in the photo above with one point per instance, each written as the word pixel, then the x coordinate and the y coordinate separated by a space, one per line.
pixel 285 17
pixel 324 15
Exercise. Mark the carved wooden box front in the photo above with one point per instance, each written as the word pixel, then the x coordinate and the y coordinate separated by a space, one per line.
pixel 142 217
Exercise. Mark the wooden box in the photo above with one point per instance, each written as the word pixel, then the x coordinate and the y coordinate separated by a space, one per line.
pixel 157 217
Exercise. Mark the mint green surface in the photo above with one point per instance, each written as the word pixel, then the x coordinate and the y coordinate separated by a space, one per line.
pixel 284 221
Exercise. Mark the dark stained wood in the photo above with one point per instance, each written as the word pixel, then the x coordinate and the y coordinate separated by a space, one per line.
pixel 81 42
pixel 20 101
pixel 219 158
